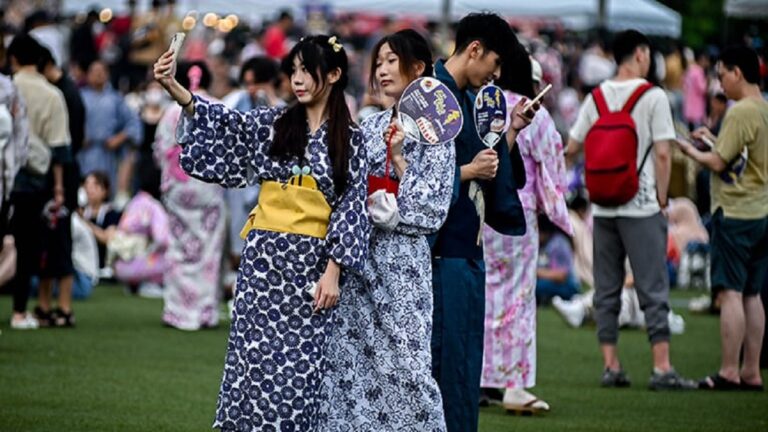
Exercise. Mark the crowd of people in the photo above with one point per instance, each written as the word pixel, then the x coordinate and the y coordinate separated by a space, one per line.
pixel 243 172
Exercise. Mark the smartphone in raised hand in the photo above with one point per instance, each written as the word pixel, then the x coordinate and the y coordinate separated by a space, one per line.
pixel 176 42
pixel 530 104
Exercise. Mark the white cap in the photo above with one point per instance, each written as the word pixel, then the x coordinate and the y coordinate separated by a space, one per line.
pixel 536 72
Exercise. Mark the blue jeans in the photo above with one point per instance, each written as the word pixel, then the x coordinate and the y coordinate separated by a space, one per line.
pixel 82 287
pixel 546 289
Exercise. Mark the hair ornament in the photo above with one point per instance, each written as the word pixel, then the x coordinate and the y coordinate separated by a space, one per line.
pixel 333 42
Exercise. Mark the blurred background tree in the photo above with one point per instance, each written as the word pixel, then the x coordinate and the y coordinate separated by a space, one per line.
pixel 703 21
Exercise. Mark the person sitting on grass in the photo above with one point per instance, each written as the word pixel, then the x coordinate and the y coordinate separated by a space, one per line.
pixel 555 275
pixel 137 248
pixel 98 212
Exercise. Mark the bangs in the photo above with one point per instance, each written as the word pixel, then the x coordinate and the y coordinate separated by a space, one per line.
pixel 311 56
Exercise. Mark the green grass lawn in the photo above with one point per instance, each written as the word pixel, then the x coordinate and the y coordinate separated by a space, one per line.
pixel 120 370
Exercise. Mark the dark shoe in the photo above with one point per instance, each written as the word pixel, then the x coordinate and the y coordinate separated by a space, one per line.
pixel 717 382
pixel 63 319
pixel 612 378
pixel 671 380
pixel 489 396
pixel 751 387
pixel 44 318
pixel 484 402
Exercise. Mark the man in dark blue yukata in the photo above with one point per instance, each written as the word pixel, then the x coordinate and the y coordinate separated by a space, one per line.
pixel 488 180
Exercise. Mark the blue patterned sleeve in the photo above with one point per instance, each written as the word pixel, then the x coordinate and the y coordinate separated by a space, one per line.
pixel 426 189
pixel 220 145
pixel 349 228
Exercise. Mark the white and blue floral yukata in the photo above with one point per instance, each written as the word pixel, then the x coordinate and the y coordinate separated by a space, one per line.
pixel 275 358
pixel 380 375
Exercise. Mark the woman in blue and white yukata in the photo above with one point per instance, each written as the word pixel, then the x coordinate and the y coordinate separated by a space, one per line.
pixel 380 377
pixel 276 351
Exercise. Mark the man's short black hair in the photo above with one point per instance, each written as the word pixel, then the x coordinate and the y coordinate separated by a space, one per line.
pixel 744 58
pixel 721 97
pixel 25 49
pixel 487 28
pixel 265 70
pixel 625 44
pixel 44 59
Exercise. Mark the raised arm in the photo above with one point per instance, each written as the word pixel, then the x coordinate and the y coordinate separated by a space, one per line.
pixel 219 145
pixel 426 187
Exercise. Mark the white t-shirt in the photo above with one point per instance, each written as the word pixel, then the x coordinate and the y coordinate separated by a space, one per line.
pixel 653 119
pixel 85 251
pixel 595 68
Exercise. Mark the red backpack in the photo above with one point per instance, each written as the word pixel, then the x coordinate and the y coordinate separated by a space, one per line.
pixel 610 152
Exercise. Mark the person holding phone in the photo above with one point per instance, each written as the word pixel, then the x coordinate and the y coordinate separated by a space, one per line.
pixel 312 151
pixel 509 360
pixel 739 240
pixel 379 351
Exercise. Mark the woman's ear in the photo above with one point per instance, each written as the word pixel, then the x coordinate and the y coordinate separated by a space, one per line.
pixel 334 75
pixel 418 68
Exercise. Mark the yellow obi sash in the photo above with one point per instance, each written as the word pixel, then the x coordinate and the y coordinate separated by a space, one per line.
pixel 295 207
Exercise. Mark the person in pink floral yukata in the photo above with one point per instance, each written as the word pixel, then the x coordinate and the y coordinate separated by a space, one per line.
pixel 144 217
pixel 509 357
pixel 196 212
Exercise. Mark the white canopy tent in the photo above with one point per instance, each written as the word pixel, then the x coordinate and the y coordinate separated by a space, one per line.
pixel 645 15
pixel 648 16
pixel 746 8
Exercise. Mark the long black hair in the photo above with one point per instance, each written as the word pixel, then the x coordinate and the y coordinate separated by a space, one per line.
pixel 320 57
pixel 410 48
pixel 516 72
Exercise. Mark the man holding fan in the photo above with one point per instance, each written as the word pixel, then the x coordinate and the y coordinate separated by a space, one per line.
pixel 458 269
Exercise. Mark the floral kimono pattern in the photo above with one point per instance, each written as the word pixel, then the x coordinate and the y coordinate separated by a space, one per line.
pixel 275 357
pixel 196 219
pixel 380 377
pixel 509 357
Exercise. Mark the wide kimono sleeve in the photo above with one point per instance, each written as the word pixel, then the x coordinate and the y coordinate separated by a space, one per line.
pixel 220 145
pixel 160 227
pixel 504 211
pixel 545 145
pixel 426 189
pixel 349 228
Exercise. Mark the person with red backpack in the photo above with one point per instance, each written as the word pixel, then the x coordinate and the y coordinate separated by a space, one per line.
pixel 625 126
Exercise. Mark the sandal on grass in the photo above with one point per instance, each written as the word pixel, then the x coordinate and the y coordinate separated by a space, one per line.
pixel 717 382
pixel 751 387
pixel 518 401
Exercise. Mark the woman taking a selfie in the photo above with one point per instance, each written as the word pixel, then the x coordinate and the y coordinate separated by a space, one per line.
pixel 308 234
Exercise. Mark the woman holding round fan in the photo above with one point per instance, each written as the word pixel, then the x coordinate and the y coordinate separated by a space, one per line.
pixel 380 376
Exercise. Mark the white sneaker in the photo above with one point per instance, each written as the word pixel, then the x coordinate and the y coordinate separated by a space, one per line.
pixel 106 273
pixel 521 402
pixel 676 323
pixel 700 304
pixel 27 323
pixel 150 290
pixel 572 311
